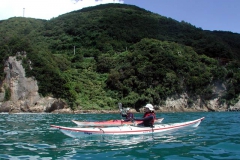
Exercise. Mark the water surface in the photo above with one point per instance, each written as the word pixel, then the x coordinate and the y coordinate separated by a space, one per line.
pixel 29 136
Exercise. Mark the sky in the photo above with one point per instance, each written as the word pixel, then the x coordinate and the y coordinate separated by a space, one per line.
pixel 221 15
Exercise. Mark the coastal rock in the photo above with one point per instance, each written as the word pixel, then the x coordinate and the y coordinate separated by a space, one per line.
pixel 20 93
pixel 185 103
pixel 56 105
pixel 235 107
pixel 21 87
pixel 6 106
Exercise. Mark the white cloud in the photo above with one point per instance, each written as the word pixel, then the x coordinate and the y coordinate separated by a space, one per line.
pixel 45 9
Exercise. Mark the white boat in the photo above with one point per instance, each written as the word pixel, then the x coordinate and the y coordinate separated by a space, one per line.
pixel 111 122
pixel 76 132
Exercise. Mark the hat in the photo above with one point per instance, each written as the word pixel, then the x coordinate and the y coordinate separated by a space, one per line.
pixel 150 107
pixel 127 109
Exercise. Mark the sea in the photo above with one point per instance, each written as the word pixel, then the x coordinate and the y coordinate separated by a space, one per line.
pixel 30 137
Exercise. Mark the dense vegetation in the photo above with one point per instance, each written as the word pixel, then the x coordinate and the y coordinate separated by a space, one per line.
pixel 98 56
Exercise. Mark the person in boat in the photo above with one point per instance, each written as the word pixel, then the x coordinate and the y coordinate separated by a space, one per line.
pixel 148 117
pixel 129 116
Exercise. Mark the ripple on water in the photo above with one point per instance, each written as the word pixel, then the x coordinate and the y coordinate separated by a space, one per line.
pixel 222 150
pixel 32 147
pixel 11 133
pixel 30 137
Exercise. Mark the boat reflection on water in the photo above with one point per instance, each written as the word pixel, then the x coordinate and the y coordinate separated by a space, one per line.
pixel 109 142
pixel 123 141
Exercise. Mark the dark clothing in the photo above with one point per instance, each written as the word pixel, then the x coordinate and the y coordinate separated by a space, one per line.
pixel 128 116
pixel 149 113
pixel 148 119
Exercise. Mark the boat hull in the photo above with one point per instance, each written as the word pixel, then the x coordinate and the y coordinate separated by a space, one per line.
pixel 111 123
pixel 125 130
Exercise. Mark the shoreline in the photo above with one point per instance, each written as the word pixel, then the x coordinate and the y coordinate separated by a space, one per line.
pixel 68 111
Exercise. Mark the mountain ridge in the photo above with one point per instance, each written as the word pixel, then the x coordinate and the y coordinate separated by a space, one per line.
pixel 115 52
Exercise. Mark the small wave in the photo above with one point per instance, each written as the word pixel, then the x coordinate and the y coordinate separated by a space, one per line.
pixel 11 133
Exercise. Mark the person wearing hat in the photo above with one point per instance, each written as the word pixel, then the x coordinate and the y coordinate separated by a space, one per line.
pixel 148 117
pixel 129 115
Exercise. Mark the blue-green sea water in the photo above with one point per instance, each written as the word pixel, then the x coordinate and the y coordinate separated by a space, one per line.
pixel 29 136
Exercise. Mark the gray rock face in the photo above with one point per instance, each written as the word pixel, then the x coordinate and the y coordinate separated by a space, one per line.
pixel 180 103
pixel 22 88
pixel 24 96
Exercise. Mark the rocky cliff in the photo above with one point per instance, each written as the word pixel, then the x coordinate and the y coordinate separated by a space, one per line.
pixel 20 94
pixel 183 103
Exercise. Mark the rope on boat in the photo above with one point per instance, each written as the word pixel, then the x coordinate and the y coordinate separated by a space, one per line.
pixel 152 131
pixel 102 130
pixel 119 128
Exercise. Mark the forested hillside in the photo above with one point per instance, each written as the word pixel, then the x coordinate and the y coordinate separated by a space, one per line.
pixel 98 56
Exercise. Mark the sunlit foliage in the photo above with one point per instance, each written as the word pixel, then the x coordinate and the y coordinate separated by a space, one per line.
pixel 95 57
